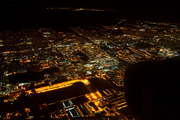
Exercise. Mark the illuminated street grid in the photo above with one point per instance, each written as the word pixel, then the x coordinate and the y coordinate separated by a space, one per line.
pixel 80 56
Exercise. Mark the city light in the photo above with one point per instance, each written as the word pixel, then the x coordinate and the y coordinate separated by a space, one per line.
pixel 36 62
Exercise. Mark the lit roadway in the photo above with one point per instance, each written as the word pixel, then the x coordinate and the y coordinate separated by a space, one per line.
pixel 58 86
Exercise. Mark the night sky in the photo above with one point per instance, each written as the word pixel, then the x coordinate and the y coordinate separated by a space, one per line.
pixel 17 12
pixel 114 4
pixel 153 7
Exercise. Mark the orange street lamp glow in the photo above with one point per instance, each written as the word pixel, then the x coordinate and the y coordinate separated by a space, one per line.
pixel 59 85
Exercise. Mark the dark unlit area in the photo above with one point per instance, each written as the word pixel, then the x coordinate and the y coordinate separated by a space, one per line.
pixel 152 89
